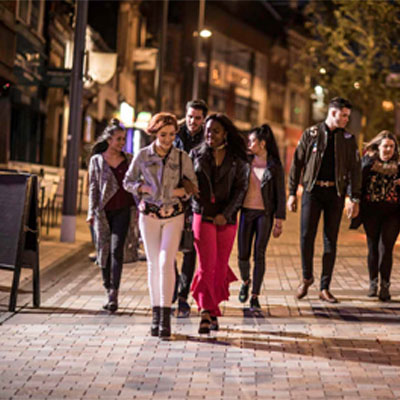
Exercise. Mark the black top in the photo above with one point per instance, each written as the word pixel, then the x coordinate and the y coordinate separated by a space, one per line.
pixel 185 141
pixel 327 169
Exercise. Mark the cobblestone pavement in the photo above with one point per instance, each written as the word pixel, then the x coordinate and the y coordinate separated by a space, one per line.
pixel 305 349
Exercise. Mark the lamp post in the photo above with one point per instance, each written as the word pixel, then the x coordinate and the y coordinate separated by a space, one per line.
pixel 68 223
pixel 196 72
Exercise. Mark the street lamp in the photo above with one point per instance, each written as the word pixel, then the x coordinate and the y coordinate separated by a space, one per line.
pixel 196 72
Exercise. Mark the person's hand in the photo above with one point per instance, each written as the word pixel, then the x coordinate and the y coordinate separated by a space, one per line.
pixel 145 189
pixel 292 203
pixel 278 227
pixel 353 208
pixel 90 220
pixel 179 192
pixel 190 187
pixel 396 182
pixel 220 220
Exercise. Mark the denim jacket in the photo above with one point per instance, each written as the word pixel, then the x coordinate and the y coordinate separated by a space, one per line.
pixel 148 168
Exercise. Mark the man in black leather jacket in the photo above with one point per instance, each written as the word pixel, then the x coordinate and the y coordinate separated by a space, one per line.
pixel 190 135
pixel 329 160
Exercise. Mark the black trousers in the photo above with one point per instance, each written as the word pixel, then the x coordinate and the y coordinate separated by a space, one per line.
pixel 188 265
pixel 253 223
pixel 118 221
pixel 382 226
pixel 320 200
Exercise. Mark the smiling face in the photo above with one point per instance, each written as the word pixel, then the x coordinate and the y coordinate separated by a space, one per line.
pixel 340 117
pixel 194 119
pixel 165 137
pixel 386 149
pixel 215 134
pixel 117 141
pixel 256 146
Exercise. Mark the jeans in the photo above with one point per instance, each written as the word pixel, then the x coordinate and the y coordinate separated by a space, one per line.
pixel 382 226
pixel 188 266
pixel 326 200
pixel 118 221
pixel 161 239
pixel 253 223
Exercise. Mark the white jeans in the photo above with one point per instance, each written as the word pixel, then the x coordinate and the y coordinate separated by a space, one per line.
pixel 161 239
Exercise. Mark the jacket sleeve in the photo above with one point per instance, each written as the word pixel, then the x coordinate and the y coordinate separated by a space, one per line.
pixel 280 193
pixel 355 172
pixel 188 170
pixel 132 180
pixel 94 190
pixel 238 190
pixel 297 164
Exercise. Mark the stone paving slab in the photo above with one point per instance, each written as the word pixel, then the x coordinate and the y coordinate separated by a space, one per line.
pixel 71 349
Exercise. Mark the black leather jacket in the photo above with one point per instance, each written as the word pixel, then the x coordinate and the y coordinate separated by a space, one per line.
pixel 272 188
pixel 308 157
pixel 222 194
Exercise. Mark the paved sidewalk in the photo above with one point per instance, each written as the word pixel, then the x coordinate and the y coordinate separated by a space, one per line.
pixel 305 349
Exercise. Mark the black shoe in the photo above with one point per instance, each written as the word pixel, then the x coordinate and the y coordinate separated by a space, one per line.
pixel 205 322
pixel 155 323
pixel 107 302
pixel 165 322
pixel 183 308
pixel 214 324
pixel 113 300
pixel 244 292
pixel 254 304
pixel 384 294
pixel 373 289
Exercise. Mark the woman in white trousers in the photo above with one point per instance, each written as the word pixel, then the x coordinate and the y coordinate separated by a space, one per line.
pixel 155 177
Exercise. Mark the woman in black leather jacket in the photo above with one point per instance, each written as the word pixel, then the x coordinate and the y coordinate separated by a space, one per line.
pixel 220 164
pixel 264 201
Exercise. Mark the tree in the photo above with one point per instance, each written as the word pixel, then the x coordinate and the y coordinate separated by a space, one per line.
pixel 352 47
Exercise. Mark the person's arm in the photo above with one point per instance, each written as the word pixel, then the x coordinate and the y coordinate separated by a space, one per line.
pixel 133 182
pixel 93 190
pixel 240 185
pixel 296 170
pixel 190 179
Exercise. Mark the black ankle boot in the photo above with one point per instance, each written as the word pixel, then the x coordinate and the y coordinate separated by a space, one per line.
pixel 155 322
pixel 165 322
pixel 113 300
pixel 384 293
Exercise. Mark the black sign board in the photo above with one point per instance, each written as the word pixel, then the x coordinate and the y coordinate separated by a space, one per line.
pixel 19 246
pixel 58 77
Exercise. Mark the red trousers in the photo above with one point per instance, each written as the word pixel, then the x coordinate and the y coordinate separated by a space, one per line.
pixel 213 245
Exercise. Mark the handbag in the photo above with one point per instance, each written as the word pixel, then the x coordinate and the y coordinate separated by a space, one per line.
pixel 187 238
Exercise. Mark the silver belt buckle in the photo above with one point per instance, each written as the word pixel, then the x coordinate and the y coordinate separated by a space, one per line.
pixel 324 183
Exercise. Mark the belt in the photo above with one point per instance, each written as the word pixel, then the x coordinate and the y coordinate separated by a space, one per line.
pixel 325 183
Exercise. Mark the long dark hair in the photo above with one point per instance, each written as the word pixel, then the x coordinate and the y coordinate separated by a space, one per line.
pixel 236 144
pixel 371 148
pixel 264 132
pixel 101 144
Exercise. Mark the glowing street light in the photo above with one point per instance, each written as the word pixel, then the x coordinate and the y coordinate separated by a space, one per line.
pixel 205 33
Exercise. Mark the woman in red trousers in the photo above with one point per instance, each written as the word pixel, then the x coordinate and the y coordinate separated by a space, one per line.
pixel 220 163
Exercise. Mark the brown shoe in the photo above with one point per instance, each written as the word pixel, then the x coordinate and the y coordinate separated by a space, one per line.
pixel 303 288
pixel 326 295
